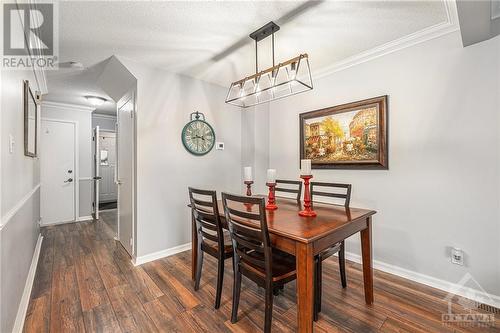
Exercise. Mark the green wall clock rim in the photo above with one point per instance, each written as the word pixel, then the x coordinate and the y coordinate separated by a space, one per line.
pixel 184 140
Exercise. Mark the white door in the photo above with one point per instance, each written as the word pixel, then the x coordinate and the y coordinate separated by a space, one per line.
pixel 96 174
pixel 57 171
pixel 125 174
pixel 107 164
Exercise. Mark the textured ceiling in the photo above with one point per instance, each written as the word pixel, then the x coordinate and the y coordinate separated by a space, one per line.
pixel 186 37
pixel 71 86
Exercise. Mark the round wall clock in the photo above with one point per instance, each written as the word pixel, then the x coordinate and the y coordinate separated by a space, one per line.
pixel 198 137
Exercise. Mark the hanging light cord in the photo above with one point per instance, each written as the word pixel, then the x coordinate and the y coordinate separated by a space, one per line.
pixel 257 54
pixel 273 47
pixel 256 59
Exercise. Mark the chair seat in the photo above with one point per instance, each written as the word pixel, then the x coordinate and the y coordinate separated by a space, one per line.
pixel 329 252
pixel 283 265
pixel 212 247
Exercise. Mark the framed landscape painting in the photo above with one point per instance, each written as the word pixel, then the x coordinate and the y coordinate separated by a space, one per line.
pixel 348 136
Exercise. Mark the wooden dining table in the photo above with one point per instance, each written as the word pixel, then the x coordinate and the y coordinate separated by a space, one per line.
pixel 305 237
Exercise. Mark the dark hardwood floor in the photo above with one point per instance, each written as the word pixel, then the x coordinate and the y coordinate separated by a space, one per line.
pixel 110 217
pixel 85 282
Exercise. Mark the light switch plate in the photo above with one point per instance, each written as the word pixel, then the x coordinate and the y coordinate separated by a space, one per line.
pixel 219 145
pixel 11 143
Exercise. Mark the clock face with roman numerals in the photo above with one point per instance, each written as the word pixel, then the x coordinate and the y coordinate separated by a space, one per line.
pixel 198 137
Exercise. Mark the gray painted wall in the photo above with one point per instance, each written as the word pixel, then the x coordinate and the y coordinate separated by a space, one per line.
pixel 105 122
pixel 164 168
pixel 442 188
pixel 19 176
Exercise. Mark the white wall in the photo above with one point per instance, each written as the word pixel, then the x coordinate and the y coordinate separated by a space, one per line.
pixel 255 145
pixel 105 122
pixel 164 168
pixel 442 188
pixel 83 116
pixel 19 207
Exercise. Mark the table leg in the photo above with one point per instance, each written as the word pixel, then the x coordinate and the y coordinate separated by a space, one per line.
pixel 305 286
pixel 366 251
pixel 194 248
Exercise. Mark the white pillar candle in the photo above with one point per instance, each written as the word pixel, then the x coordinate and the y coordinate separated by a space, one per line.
pixel 305 167
pixel 271 176
pixel 247 174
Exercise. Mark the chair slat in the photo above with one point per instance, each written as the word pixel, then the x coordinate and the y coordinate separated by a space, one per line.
pixel 209 226
pixel 281 189
pixel 202 203
pixel 332 195
pixel 246 230
pixel 250 259
pixel 245 215
pixel 297 189
pixel 323 184
pixel 249 243
pixel 212 237
pixel 346 196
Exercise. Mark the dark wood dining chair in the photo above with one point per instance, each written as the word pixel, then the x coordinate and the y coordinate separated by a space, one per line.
pixel 289 186
pixel 253 255
pixel 211 238
pixel 345 197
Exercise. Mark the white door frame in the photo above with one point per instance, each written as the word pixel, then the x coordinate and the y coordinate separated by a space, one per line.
pixel 96 173
pixel 76 197
pixel 132 94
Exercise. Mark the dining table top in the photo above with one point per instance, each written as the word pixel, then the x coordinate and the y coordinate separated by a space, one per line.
pixel 286 222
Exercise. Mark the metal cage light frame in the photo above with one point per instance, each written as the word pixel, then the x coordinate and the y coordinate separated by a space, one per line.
pixel 285 79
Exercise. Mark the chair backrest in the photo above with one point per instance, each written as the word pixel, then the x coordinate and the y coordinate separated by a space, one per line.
pixel 345 188
pixel 249 233
pixel 291 186
pixel 206 215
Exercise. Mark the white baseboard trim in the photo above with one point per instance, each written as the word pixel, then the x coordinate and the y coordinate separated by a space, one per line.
pixel 457 289
pixel 25 299
pixel 84 218
pixel 161 254
pixel 56 223
pixel 78 219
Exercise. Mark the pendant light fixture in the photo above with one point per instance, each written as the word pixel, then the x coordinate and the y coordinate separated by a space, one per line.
pixel 282 80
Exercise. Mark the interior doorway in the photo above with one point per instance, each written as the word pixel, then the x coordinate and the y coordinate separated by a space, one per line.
pixel 59 172
pixel 104 183
pixel 105 194
pixel 114 171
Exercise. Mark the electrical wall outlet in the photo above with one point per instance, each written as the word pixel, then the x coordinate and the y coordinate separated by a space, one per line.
pixel 219 145
pixel 457 256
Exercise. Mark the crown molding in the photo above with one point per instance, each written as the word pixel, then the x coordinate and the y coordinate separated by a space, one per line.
pixel 73 107
pixel 448 26
pixel 103 116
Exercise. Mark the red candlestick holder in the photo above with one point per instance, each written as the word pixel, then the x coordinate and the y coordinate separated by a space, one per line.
pixel 248 183
pixel 271 202
pixel 308 212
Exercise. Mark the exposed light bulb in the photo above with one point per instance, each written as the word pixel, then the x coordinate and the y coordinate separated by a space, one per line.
pixel 257 86
pixel 293 71
pixel 242 91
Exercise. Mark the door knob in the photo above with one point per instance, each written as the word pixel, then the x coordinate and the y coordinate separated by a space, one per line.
pixel 70 180
pixel 97 178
